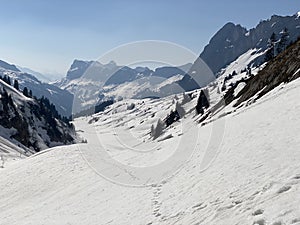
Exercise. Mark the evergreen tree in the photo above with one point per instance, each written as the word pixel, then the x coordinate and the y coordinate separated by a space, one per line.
pixel 5 78
pixel 30 93
pixel 16 84
pixel 172 117
pixel 202 102
pixel 8 80
pixel 25 92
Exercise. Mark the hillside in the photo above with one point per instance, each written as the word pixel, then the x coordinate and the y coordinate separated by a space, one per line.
pixel 230 165
pixel 253 179
pixel 30 123
pixel 213 142
pixel 233 40
pixel 60 98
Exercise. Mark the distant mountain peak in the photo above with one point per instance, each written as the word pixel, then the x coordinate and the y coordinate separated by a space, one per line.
pixel 78 68
pixel 233 40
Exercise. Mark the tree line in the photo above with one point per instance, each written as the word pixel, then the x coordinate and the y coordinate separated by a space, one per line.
pixel 25 91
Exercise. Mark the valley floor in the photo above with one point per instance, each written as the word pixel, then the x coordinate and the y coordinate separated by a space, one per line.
pixel 254 179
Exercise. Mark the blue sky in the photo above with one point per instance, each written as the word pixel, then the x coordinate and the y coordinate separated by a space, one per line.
pixel 48 35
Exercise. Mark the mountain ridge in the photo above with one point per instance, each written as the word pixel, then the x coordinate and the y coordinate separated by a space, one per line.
pixel 232 40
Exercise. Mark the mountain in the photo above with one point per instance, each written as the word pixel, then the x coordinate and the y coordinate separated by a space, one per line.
pixel 230 164
pixel 62 99
pixel 92 82
pixel 31 123
pixel 78 68
pixel 233 40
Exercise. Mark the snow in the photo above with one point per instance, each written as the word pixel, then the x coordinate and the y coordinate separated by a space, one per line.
pixel 253 177
pixel 74 69
pixel 36 125
pixel 242 61
pixel 51 91
pixel 239 88
pixel 9 152
pixel 18 96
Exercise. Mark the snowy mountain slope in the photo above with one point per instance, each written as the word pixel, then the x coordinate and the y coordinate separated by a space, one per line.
pixel 62 99
pixel 237 163
pixel 92 82
pixel 32 124
pixel 10 152
pixel 237 71
pixel 232 40
pixel 254 178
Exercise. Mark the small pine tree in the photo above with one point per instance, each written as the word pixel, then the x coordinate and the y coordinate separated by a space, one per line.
pixel 30 93
pixel 16 84
pixel 202 102
pixel 25 92
pixel 8 80
pixel 4 78
pixel 249 71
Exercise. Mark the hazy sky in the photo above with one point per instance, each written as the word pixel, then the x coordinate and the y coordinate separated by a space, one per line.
pixel 48 35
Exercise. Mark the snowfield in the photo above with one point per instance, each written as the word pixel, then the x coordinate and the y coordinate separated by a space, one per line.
pixel 252 178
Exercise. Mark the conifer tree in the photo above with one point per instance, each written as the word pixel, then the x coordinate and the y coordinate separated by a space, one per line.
pixel 16 84
pixel 25 92
pixel 8 80
pixel 202 102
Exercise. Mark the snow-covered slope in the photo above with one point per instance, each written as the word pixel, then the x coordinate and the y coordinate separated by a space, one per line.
pixel 253 178
pixel 10 152
pixel 62 99
pixel 233 40
pixel 92 82
pixel 32 124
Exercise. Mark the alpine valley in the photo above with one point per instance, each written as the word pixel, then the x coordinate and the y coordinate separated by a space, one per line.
pixel 230 141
